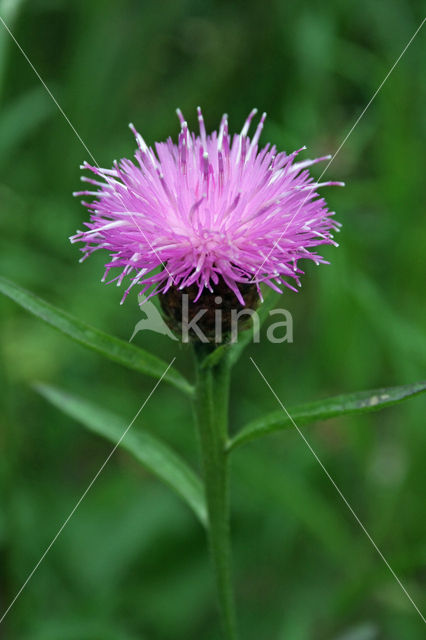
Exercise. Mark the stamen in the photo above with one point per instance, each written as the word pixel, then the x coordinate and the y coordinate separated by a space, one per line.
pixel 202 129
pixel 206 170
pixel 194 208
pixel 222 130
pixel 298 166
pixel 182 152
pixel 141 142
pixel 221 172
pixel 180 116
pixel 257 133
pixel 246 127
pixel 226 147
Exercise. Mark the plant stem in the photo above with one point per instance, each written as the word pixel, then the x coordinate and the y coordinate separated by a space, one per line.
pixel 211 411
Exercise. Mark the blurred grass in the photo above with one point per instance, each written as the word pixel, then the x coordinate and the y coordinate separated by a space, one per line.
pixel 132 562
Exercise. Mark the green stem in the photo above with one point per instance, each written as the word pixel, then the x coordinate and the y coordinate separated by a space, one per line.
pixel 211 410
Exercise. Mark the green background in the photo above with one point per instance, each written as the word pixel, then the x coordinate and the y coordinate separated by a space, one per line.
pixel 132 563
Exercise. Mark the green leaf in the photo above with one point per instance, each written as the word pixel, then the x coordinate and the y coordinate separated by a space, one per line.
pixel 348 404
pixel 113 348
pixel 151 452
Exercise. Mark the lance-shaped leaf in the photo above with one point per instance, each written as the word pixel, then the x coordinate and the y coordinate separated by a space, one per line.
pixel 156 456
pixel 348 404
pixel 108 346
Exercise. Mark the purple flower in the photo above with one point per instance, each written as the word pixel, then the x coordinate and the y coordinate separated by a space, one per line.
pixel 211 207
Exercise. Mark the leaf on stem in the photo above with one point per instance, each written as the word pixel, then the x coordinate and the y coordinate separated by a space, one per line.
pixel 113 348
pixel 156 456
pixel 348 404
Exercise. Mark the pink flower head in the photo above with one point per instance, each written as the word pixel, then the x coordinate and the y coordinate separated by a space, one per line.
pixel 209 207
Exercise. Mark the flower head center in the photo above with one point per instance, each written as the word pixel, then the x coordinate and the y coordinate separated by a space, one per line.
pixel 208 241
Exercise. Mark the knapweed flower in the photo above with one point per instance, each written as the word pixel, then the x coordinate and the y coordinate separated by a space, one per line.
pixel 212 210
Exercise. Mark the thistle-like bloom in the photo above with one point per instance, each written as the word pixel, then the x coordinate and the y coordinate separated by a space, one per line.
pixel 210 207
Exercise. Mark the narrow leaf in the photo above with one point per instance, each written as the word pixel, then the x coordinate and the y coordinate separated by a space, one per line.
pixel 113 348
pixel 348 404
pixel 151 452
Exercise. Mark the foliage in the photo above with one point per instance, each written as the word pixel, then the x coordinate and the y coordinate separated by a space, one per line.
pixel 131 563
